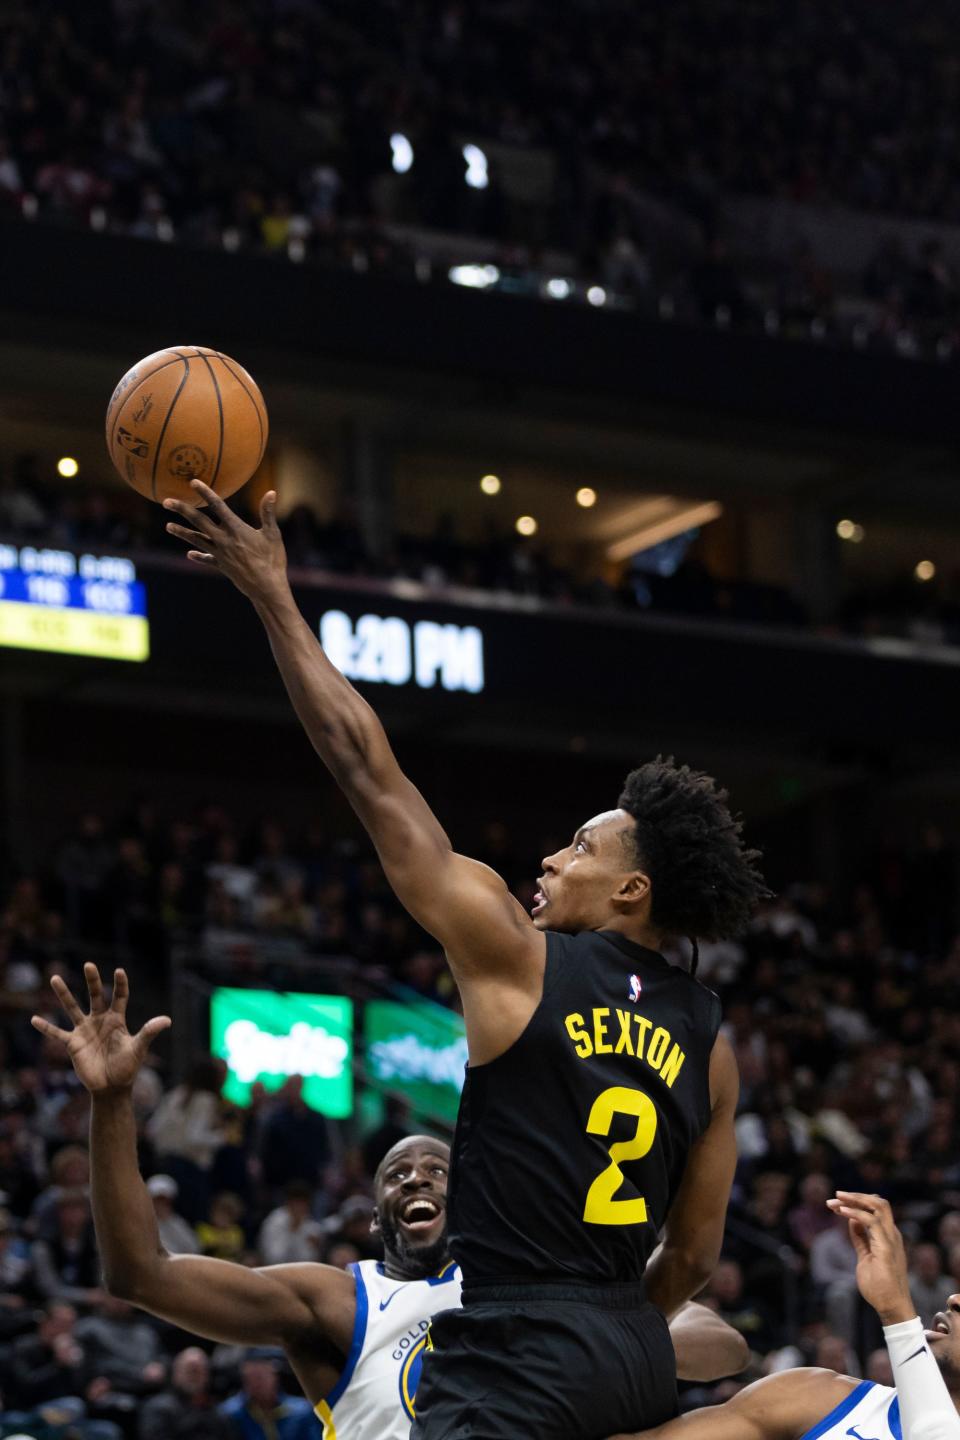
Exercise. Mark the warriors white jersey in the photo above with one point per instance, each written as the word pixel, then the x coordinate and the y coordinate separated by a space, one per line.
pixel 870 1412
pixel 373 1399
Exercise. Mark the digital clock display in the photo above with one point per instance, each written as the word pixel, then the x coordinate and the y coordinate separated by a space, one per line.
pixel 72 604
pixel 387 650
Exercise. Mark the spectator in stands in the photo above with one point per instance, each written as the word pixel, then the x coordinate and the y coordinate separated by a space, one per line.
pixel 185 1408
pixel 811 1217
pixel 261 1411
pixel 395 1127
pixel 121 1345
pixel 929 1286
pixel 69 1170
pixel 221 1235
pixel 17 1283
pixel 294 1144
pixel 49 1364
pixel 290 1234
pixel 176 1235
pixel 66 1264
pixel 726 1294
pixel 186 1129
pixel 350 1225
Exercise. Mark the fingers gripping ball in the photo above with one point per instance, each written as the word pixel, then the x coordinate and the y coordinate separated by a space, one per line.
pixel 184 412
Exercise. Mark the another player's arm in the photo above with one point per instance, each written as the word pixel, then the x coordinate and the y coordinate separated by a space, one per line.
pixel 780 1407
pixel 693 1233
pixel 217 1299
pixel 927 1409
pixel 706 1347
pixel 463 904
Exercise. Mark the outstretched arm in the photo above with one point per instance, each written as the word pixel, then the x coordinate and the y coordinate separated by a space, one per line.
pixel 463 904
pixel 283 1305
pixel 928 1411
pixel 693 1233
pixel 706 1347
pixel 781 1407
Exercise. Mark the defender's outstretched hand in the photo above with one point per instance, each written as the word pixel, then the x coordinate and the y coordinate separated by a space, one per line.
pixel 104 1053
pixel 881 1258
pixel 255 560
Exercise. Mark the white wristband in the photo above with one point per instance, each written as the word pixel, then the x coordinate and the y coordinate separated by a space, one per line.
pixel 926 1410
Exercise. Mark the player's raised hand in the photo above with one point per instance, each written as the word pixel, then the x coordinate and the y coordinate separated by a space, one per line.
pixel 104 1053
pixel 881 1258
pixel 254 559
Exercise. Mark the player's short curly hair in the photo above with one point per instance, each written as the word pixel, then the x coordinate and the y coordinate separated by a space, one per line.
pixel 705 882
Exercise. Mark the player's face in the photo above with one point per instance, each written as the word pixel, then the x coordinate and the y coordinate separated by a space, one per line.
pixel 944 1342
pixel 411 1214
pixel 592 880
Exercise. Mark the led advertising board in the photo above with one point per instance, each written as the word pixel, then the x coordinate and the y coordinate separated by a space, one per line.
pixel 266 1037
pixel 72 604
pixel 419 1049
pixel 389 650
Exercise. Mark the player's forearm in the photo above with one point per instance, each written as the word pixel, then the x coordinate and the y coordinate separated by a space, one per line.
pixel 675 1275
pixel 341 726
pixel 123 1213
pixel 927 1410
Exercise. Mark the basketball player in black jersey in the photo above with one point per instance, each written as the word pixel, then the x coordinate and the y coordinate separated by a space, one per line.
pixel 597 1115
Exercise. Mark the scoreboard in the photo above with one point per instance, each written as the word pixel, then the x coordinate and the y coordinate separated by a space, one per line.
pixel 71 604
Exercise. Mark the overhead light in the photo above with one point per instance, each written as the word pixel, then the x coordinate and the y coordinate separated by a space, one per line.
pixel 925 570
pixel 490 485
pixel 558 288
pixel 67 467
pixel 660 518
pixel 596 295
pixel 475 277
pixel 476 177
pixel 402 153
pixel 586 497
pixel 850 530
pixel 526 525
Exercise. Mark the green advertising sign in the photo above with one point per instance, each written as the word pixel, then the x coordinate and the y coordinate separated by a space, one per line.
pixel 418 1049
pixel 266 1036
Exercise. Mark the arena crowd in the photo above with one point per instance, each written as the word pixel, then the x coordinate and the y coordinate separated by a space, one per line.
pixel 671 579
pixel 608 137
pixel 844 1011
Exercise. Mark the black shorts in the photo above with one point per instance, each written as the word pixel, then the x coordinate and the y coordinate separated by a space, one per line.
pixel 546 1362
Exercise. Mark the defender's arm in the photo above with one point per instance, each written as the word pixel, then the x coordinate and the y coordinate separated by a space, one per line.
pixel 217 1299
pixel 693 1233
pixel 287 1304
pixel 780 1407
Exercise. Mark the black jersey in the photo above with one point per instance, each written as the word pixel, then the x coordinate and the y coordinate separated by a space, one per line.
pixel 570 1146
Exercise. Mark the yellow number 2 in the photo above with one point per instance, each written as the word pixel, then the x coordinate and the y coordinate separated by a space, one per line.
pixel 600 1207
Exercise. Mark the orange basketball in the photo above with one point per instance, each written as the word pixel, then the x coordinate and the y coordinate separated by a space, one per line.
pixel 182 413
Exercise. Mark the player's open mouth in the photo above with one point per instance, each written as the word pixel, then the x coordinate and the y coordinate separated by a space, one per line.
pixel 539 900
pixel 420 1214
pixel 941 1328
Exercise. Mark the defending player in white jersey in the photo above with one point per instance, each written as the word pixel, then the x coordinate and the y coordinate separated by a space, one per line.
pixel 354 1338
pixel 821 1405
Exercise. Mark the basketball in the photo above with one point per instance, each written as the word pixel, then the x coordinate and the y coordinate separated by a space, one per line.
pixel 183 413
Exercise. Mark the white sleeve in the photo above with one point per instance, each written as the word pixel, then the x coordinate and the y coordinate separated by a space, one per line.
pixel 926 1409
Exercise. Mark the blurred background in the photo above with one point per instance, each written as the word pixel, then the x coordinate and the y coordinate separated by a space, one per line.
pixel 611 361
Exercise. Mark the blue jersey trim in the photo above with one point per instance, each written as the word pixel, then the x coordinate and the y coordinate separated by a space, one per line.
pixel 893 1419
pixel 359 1335
pixel 837 1414
pixel 448 1273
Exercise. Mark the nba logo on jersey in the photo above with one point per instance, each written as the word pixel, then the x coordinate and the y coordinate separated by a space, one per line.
pixel 635 987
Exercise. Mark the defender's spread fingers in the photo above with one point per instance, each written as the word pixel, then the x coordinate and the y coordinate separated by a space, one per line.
pixel 63 993
pixel 121 992
pixel 94 988
pixel 53 1032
